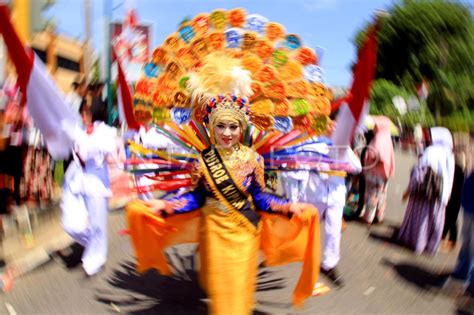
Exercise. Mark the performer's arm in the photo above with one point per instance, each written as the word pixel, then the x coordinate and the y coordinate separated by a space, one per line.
pixel 186 202
pixel 265 201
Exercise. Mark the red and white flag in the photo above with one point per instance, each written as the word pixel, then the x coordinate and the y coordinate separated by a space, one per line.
pixel 423 90
pixel 352 113
pixel 124 99
pixel 45 102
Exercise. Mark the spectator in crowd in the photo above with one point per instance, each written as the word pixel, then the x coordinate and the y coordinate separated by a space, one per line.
pixel 379 166
pixel 86 190
pixel 74 98
pixel 429 189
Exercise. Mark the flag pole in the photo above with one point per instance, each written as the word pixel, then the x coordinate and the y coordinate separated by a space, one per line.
pixel 108 64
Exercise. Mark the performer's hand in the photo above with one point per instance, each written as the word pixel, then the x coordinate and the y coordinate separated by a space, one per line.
pixel 158 205
pixel 299 208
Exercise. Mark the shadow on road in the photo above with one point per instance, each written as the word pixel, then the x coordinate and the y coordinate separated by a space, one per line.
pixel 152 293
pixel 435 283
pixel 417 275
pixel 390 236
pixel 70 256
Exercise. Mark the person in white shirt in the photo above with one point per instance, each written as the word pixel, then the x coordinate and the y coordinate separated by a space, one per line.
pixel 328 194
pixel 86 190
pixel 74 98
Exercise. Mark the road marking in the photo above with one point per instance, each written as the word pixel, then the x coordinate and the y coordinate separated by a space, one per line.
pixel 115 307
pixel 10 309
pixel 369 291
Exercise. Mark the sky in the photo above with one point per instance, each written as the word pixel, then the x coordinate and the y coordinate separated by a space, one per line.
pixel 329 24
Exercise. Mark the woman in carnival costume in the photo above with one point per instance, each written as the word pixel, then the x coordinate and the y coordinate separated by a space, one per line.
pixel 379 167
pixel 228 190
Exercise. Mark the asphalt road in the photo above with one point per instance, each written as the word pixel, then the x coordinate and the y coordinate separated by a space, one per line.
pixel 381 278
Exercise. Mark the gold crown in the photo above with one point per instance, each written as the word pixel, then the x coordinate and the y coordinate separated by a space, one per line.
pixel 230 105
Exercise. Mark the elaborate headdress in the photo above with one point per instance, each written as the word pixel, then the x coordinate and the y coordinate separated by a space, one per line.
pixel 235 58
pixel 230 64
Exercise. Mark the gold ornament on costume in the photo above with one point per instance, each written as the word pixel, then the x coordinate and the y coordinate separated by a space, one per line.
pixel 318 89
pixel 275 90
pixel 185 57
pixel 264 49
pixel 262 107
pixel 159 56
pixel 298 89
pixel 292 70
pixel 171 43
pixel 282 107
pixel 181 99
pixel 236 17
pixel 330 95
pixel 161 114
pixel 218 19
pixel 162 99
pixel 234 53
pixel 143 87
pixel 319 124
pixel 320 106
pixel 143 114
pixel 164 84
pixel 274 31
pixel 216 41
pixel 262 122
pixel 306 55
pixel 201 24
pixel 279 57
pixel 173 70
pixel 303 123
pixel 249 41
pixel 266 74
pixel 256 91
pixel 199 48
pixel 252 63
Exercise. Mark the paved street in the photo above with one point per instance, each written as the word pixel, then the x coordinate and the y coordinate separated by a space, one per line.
pixel 380 278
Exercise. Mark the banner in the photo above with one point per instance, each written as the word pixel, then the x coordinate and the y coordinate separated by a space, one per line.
pixel 132 47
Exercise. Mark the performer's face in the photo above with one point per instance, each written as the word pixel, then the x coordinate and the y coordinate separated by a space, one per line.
pixel 86 117
pixel 227 133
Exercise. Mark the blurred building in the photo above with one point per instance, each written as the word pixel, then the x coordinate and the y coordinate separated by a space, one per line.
pixel 63 56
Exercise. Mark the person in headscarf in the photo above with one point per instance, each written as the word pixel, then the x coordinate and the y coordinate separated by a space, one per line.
pixel 379 166
pixel 428 191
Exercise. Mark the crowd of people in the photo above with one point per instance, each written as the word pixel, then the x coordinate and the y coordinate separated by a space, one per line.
pixel 439 186
pixel 29 176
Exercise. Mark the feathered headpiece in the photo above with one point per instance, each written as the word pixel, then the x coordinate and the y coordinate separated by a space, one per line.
pixel 223 86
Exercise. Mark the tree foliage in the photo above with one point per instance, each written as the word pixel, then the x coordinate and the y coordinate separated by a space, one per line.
pixel 433 41
pixel 381 103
